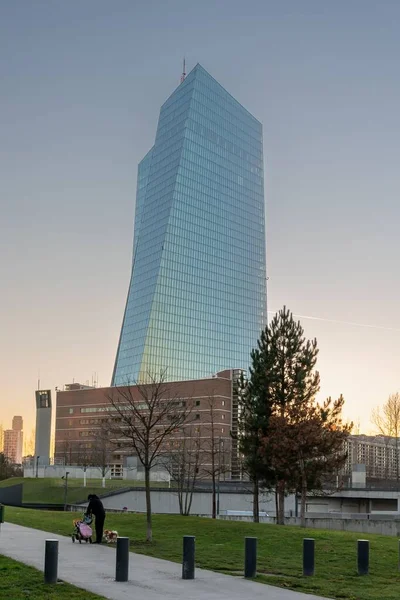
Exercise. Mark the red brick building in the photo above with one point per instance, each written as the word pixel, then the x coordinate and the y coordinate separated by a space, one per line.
pixel 81 411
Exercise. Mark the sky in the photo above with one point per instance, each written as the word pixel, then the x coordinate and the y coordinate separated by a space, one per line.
pixel 81 88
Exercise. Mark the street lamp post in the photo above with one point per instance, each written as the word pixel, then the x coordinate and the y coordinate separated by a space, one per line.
pixel 65 488
pixel 219 473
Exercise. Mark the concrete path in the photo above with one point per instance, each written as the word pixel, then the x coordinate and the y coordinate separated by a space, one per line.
pixel 92 567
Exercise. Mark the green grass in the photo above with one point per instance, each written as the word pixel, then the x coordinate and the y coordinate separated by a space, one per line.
pixel 51 491
pixel 220 546
pixel 19 582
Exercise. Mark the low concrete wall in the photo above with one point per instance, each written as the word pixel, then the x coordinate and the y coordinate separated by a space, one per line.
pixel 365 526
pixel 58 471
pixel 165 501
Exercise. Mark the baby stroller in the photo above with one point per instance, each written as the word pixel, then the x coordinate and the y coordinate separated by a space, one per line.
pixel 83 531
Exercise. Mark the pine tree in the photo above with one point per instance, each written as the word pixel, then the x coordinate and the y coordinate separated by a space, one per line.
pixel 254 413
pixel 287 440
pixel 282 374
pixel 294 382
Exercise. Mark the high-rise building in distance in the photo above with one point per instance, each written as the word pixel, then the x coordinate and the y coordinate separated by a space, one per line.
pixel 17 423
pixel 197 296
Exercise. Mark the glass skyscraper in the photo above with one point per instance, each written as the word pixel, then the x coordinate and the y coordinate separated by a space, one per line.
pixel 197 296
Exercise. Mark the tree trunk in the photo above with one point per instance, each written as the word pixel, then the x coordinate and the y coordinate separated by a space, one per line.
pixel 189 488
pixel 180 500
pixel 103 481
pixel 303 500
pixel 180 484
pixel 184 503
pixel 149 536
pixel 281 503
pixel 256 501
pixel 189 503
pixel 214 497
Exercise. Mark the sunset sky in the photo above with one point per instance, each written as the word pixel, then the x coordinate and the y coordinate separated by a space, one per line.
pixel 81 88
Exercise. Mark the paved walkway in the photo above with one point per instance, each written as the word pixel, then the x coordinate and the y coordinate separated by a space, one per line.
pixel 92 567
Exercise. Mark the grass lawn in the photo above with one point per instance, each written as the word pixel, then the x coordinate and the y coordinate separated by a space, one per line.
pixel 19 582
pixel 51 491
pixel 220 547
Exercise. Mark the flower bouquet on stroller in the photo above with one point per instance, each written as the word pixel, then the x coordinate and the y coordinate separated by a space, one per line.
pixel 110 536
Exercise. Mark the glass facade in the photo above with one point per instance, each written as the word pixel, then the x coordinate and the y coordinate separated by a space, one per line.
pixel 197 297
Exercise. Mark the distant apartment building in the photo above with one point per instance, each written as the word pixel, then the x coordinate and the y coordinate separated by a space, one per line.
pixel 81 413
pixel 379 454
pixel 13 441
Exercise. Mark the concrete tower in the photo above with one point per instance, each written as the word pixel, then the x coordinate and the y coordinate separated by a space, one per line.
pixel 43 426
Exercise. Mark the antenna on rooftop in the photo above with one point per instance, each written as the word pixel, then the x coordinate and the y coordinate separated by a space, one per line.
pixel 184 71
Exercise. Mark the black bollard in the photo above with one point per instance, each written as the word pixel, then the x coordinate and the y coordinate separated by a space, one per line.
pixel 363 557
pixel 51 561
pixel 188 557
pixel 308 557
pixel 250 557
pixel 1 513
pixel 122 559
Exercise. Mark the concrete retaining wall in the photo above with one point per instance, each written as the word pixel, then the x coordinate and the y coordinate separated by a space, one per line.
pixel 11 495
pixel 390 527
pixel 365 526
pixel 356 523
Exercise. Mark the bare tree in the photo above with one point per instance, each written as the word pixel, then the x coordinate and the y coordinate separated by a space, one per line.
pixel 66 450
pixel 83 458
pixel 184 464
pixel 149 414
pixel 216 449
pixel 308 445
pixel 29 443
pixel 387 422
pixel 101 451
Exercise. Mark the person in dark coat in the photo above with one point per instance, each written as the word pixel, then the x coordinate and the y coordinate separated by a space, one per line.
pixel 96 509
